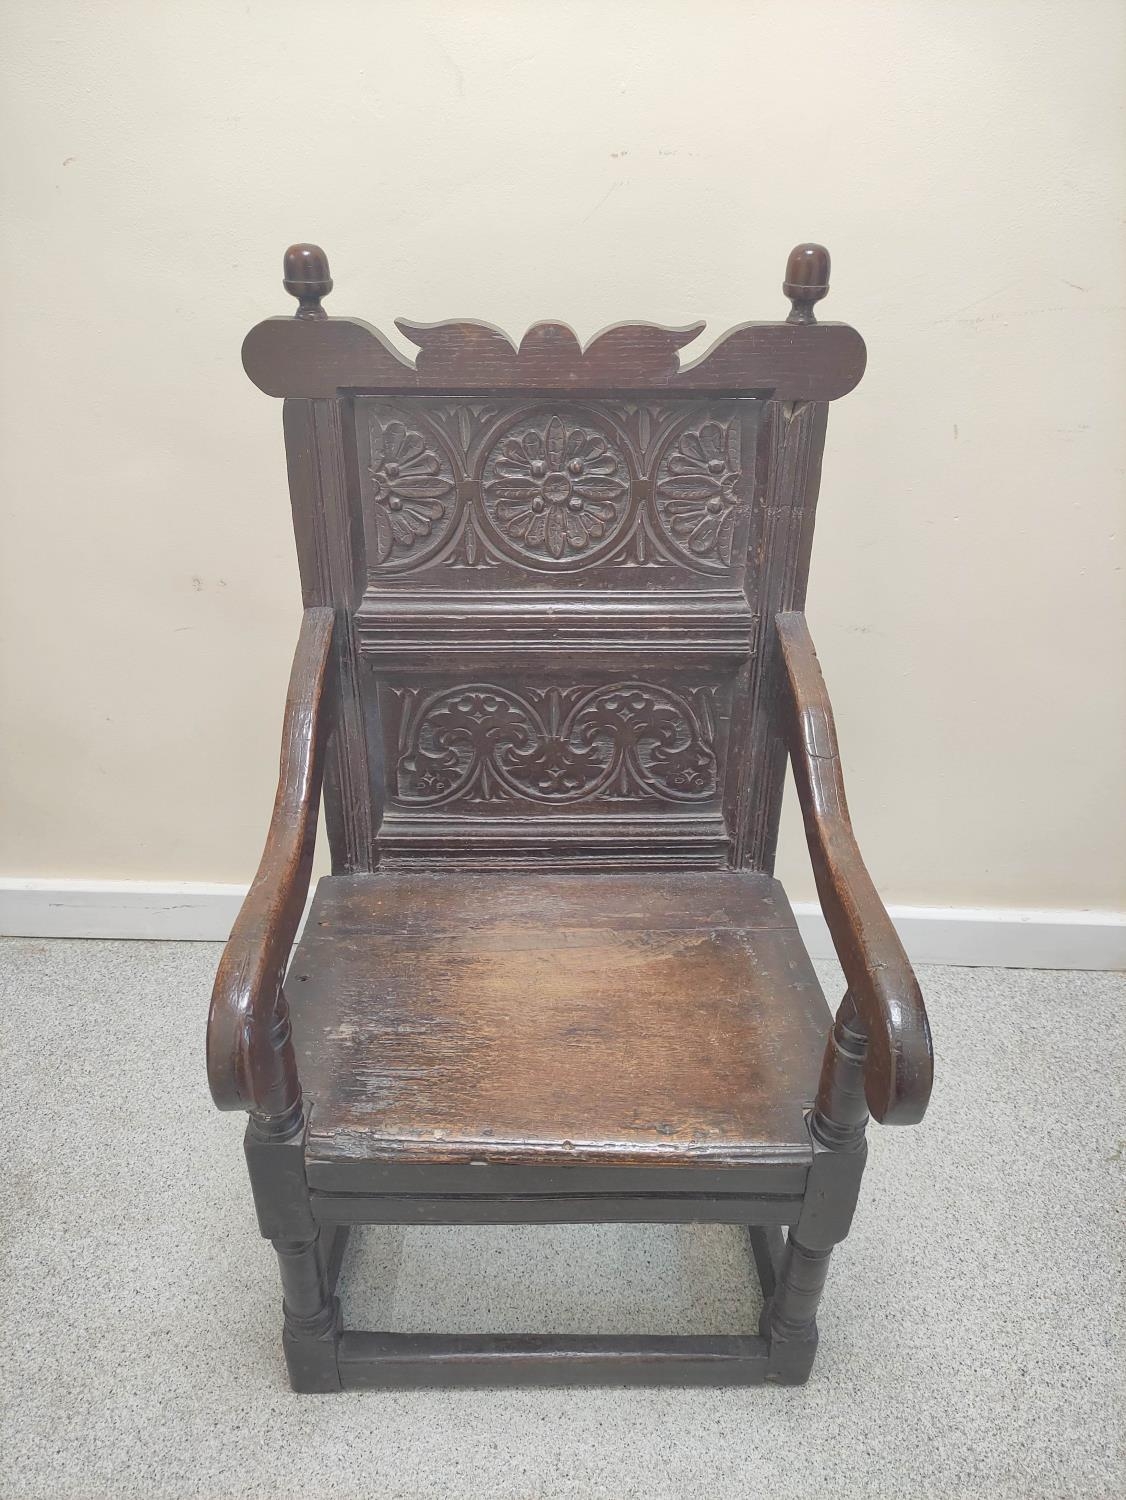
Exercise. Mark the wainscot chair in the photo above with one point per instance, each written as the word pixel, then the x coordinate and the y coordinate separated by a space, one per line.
pixel 551 663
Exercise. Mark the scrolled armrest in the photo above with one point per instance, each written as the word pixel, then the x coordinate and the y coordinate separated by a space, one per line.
pixel 250 1062
pixel 900 1064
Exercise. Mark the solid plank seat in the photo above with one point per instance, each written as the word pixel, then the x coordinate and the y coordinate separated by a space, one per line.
pixel 649 1021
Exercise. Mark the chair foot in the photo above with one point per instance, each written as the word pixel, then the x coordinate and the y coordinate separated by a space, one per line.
pixel 312 1355
pixel 312 1325
pixel 789 1312
pixel 789 1359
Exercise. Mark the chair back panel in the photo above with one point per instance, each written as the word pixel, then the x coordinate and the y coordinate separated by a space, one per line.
pixel 558 570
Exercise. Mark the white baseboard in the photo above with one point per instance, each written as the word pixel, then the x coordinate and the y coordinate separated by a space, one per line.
pixel 170 910
pixel 1005 937
pixel 992 937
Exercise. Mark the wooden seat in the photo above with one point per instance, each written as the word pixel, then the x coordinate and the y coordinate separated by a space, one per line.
pixel 654 1022
pixel 551 665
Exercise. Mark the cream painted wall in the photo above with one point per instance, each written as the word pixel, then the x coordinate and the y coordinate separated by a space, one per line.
pixel 965 163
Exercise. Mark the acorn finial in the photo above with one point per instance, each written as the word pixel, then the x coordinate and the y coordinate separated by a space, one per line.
pixel 807 281
pixel 307 278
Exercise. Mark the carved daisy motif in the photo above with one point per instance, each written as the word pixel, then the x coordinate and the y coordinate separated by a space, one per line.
pixel 696 495
pixel 407 486
pixel 556 489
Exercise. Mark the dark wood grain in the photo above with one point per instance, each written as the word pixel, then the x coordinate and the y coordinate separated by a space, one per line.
pixel 881 981
pixel 371 1361
pixel 582 575
pixel 778 1170
pixel 322 357
pixel 331 559
pixel 306 278
pixel 313 355
pixel 549 354
pixel 249 1055
pixel 807 281
pixel 615 1020
pixel 616 1207
pixel 552 598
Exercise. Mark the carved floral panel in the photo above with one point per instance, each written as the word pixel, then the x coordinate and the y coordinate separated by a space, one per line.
pixel 697 490
pixel 411 492
pixel 555 486
pixel 482 743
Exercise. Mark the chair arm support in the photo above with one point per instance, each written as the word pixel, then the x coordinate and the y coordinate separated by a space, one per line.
pixel 900 1065
pixel 250 1062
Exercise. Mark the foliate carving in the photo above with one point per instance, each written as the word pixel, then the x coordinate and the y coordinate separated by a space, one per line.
pixel 412 491
pixel 696 494
pixel 548 352
pixel 319 357
pixel 554 488
pixel 625 741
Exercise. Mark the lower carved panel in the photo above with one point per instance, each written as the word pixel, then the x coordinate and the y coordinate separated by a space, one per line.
pixel 482 746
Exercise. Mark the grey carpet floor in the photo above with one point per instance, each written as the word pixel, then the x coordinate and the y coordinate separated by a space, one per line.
pixel 971 1328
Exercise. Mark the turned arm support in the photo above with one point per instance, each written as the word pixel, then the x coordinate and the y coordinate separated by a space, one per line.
pixel 250 1062
pixel 881 983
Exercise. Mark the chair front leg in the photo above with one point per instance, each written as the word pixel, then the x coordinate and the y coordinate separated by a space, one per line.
pixel 311 1316
pixel 311 1323
pixel 836 1126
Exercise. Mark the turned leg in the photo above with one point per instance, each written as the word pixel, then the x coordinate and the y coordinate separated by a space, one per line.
pixel 310 1311
pixel 311 1316
pixel 836 1126
pixel 275 1156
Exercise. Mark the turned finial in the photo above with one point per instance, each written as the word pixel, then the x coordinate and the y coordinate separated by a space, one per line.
pixel 807 281
pixel 307 278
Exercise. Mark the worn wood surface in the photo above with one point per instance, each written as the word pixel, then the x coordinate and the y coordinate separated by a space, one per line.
pixel 618 1206
pixel 779 1171
pixel 249 1056
pixel 331 559
pixel 555 573
pixel 793 362
pixel 372 1361
pixel 556 626
pixel 882 984
pixel 555 1019
pixel 315 356
pixel 552 610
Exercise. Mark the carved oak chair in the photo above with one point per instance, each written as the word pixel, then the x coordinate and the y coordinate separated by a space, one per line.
pixel 551 663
